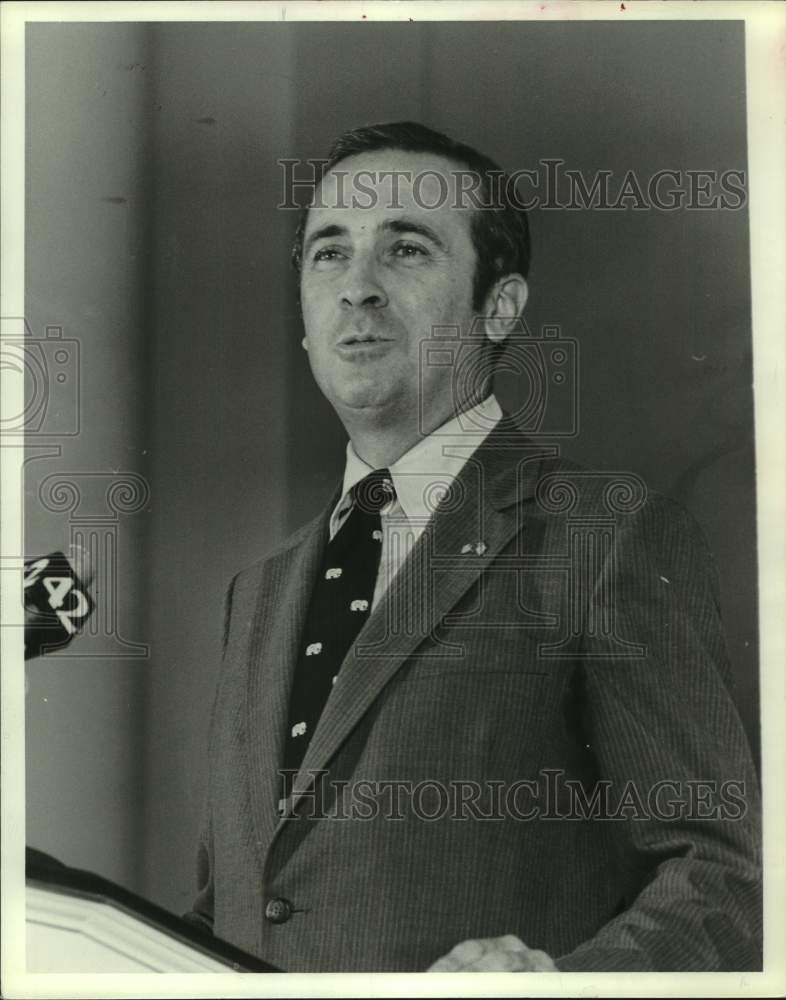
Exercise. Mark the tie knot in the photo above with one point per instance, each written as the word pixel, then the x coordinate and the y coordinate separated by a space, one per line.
pixel 374 491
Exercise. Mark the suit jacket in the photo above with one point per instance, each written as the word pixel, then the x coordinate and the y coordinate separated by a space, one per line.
pixel 574 651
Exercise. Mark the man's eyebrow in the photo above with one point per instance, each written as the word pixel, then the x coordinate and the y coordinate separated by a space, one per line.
pixel 403 226
pixel 324 232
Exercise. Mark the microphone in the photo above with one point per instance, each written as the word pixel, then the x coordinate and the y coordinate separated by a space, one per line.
pixel 56 600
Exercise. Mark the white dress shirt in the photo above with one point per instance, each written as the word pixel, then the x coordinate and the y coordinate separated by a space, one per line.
pixel 421 478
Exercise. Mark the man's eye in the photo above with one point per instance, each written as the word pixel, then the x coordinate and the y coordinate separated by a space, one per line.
pixel 327 254
pixel 408 250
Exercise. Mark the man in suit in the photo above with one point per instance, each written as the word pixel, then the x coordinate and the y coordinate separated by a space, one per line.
pixel 476 714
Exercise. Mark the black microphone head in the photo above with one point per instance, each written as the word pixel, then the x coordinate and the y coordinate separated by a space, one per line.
pixel 56 603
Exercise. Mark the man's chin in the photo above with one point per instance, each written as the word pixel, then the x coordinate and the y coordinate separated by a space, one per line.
pixel 370 401
pixel 362 403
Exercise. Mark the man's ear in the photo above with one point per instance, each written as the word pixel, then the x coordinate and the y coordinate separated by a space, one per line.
pixel 505 305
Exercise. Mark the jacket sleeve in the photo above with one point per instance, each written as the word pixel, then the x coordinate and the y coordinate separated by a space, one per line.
pixel 202 910
pixel 201 913
pixel 666 719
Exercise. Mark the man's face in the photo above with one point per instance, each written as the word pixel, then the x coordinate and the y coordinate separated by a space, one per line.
pixel 378 277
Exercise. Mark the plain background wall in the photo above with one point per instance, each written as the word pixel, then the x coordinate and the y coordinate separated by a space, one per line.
pixel 240 448
pixel 87 244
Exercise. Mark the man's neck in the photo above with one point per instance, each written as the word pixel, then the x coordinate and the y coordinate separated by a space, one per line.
pixel 382 446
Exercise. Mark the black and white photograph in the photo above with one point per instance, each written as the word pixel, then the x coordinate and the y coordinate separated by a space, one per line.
pixel 393 446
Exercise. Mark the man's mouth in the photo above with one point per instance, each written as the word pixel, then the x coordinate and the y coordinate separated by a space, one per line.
pixel 354 339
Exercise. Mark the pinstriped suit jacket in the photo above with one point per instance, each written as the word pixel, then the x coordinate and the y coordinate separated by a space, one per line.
pixel 582 653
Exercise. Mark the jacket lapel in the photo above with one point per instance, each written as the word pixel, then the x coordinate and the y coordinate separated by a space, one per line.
pixel 483 507
pixel 287 589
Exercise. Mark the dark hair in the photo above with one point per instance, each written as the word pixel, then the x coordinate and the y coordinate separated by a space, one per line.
pixel 499 229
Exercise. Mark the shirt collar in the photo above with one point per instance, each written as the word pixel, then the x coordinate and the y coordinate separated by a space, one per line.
pixel 423 474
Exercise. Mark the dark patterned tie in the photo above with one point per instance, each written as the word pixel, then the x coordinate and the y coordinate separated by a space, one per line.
pixel 340 604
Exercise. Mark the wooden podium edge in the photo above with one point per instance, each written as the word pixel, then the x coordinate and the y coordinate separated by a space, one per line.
pixel 46 872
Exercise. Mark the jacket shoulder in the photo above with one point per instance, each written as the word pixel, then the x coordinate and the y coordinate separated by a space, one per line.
pixel 562 482
pixel 251 573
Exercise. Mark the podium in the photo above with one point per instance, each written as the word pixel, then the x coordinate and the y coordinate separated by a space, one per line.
pixel 78 922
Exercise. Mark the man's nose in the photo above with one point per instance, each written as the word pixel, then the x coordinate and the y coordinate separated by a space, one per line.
pixel 362 286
